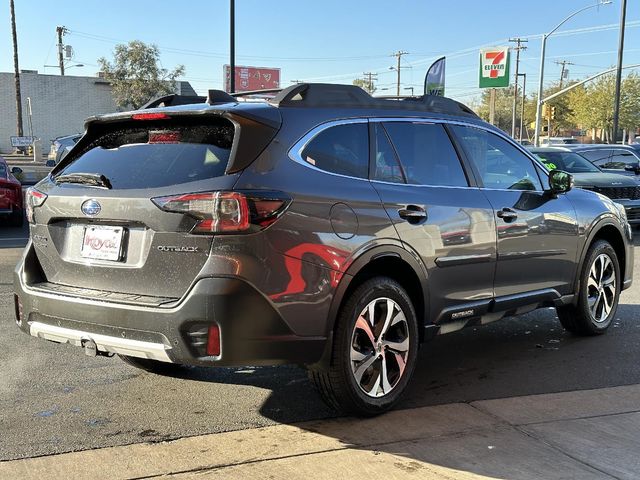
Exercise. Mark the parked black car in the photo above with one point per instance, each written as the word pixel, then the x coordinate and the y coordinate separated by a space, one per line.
pixel 324 228
pixel 620 188
pixel 622 159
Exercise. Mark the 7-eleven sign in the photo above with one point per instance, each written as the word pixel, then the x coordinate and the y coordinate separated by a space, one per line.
pixel 494 67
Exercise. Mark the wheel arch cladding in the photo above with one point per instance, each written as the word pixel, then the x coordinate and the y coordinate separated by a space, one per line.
pixel 611 234
pixel 391 265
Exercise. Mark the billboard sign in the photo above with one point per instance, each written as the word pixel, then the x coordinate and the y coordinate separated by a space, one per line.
pixel 252 78
pixel 494 67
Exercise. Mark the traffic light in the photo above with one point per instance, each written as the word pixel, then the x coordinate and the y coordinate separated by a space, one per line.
pixel 545 111
pixel 553 113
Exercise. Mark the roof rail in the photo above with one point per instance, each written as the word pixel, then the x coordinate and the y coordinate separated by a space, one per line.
pixel 172 99
pixel 256 92
pixel 333 95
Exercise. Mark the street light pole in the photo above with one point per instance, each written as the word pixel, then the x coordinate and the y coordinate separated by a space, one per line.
pixel 616 106
pixel 14 35
pixel 232 47
pixel 536 136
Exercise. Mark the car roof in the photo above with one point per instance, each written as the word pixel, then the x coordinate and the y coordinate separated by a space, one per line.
pixel 332 100
pixel 599 146
pixel 550 149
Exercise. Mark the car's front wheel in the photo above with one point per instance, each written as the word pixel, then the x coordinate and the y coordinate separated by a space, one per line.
pixel 599 293
pixel 374 352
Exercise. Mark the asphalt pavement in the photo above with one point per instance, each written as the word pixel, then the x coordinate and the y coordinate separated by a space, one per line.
pixel 54 399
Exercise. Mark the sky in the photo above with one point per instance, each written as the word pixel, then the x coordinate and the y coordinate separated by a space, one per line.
pixel 332 41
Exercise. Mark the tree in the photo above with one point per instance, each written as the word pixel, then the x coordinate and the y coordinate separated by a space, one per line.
pixel 136 74
pixel 365 85
pixel 592 104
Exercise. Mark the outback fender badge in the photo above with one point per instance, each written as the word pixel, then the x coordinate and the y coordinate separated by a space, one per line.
pixel 91 207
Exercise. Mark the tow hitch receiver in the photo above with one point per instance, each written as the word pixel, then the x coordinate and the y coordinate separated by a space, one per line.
pixel 90 347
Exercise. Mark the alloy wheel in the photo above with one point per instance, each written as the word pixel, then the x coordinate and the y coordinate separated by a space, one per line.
pixel 601 288
pixel 379 347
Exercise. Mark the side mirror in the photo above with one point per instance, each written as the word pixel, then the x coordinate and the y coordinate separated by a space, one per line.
pixel 560 182
pixel 50 163
pixel 633 168
pixel 16 170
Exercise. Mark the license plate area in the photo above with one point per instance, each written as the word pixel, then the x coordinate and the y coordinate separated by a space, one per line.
pixel 102 243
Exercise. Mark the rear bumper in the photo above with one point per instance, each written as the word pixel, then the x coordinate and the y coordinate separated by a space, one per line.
pixel 251 330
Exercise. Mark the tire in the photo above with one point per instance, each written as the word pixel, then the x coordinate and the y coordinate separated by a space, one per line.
pixel 589 316
pixel 17 218
pixel 153 366
pixel 370 357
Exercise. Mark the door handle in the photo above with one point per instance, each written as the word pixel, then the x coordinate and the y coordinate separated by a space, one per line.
pixel 507 214
pixel 413 213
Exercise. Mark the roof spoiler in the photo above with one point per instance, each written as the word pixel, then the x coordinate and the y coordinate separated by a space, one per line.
pixel 171 100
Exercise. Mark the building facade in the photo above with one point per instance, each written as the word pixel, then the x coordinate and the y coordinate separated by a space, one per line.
pixel 59 105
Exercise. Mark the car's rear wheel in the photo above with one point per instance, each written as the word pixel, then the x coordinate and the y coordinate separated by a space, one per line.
pixel 152 366
pixel 374 352
pixel 599 293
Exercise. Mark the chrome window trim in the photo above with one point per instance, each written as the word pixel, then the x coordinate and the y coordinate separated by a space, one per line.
pixel 295 152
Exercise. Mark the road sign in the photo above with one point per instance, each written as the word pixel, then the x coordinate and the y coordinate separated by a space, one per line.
pixel 21 141
pixel 253 78
pixel 494 67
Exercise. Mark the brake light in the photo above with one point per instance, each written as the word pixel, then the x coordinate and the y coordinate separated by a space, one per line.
pixel 150 116
pixel 34 199
pixel 227 212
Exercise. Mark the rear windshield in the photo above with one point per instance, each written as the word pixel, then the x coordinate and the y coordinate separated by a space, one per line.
pixel 157 154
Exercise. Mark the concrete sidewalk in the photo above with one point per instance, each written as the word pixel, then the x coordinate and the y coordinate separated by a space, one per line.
pixel 590 434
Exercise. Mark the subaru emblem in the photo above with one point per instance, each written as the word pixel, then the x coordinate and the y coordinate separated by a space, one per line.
pixel 91 208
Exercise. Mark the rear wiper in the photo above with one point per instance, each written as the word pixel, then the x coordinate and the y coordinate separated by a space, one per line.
pixel 91 179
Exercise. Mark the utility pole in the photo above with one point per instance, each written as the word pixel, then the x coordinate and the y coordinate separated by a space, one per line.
pixel 492 106
pixel 518 41
pixel 61 31
pixel 17 70
pixel 564 63
pixel 369 77
pixel 398 55
pixel 232 47
pixel 524 96
pixel 616 106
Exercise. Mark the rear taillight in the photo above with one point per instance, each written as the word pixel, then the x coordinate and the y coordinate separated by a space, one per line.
pixel 227 212
pixel 34 199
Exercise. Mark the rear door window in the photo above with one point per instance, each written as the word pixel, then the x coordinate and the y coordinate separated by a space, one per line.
pixel 342 149
pixel 157 154
pixel 426 154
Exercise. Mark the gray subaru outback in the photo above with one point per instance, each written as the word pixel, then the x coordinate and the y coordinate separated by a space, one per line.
pixel 323 227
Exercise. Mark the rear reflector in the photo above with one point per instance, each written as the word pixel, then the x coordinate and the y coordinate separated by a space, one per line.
pixel 149 116
pixel 227 212
pixel 213 341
